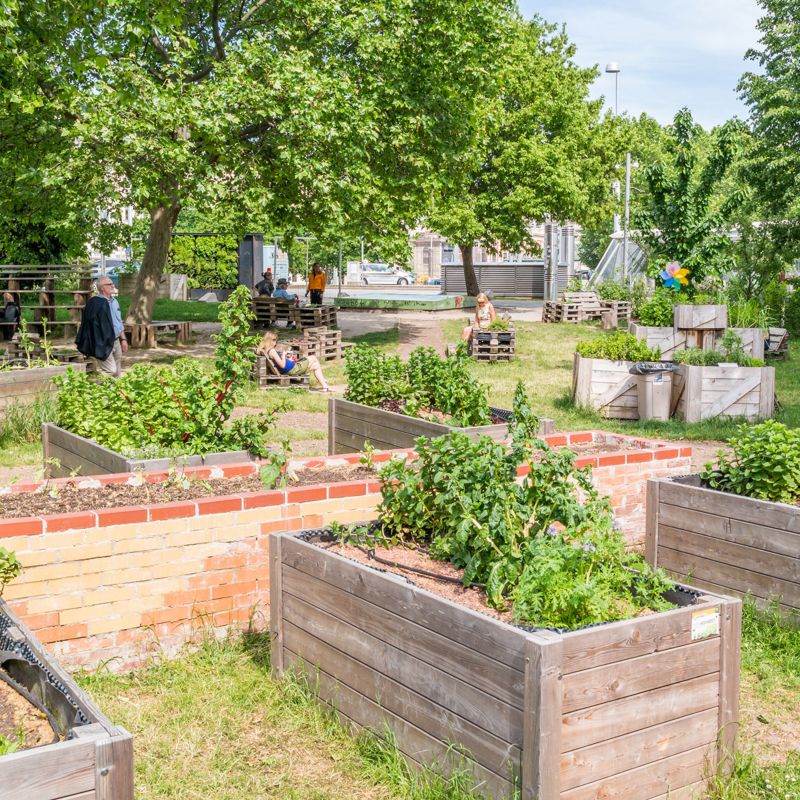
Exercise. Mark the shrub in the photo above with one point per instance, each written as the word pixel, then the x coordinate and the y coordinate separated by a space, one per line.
pixel 791 313
pixel 657 311
pixel 618 346
pixel 730 351
pixel 764 463
pixel 608 290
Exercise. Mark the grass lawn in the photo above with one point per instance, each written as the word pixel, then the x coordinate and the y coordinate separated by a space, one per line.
pixel 178 310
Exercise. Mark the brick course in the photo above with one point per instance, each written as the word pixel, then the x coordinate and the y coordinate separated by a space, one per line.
pixel 122 584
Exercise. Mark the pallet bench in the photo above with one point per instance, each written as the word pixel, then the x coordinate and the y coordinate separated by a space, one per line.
pixel 315 316
pixel 145 336
pixel 269 310
pixel 268 377
pixel 573 307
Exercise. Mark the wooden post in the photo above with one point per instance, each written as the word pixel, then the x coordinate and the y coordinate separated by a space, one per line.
pixel 276 602
pixel 729 663
pixel 114 767
pixel 331 427
pixel 651 530
pixel 541 732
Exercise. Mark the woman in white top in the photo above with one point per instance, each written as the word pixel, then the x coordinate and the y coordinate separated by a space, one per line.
pixel 484 316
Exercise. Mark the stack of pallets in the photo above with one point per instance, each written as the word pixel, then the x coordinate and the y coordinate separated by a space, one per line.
pixel 267 376
pixel 268 310
pixel 573 307
pixel 493 345
pixel 331 346
pixel 315 316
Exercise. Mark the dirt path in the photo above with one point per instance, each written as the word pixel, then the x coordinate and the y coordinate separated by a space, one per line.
pixel 418 332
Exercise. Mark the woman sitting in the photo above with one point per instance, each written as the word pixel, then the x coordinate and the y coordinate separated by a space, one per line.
pixel 287 362
pixel 484 317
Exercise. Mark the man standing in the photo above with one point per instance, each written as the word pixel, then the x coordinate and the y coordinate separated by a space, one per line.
pixel 102 331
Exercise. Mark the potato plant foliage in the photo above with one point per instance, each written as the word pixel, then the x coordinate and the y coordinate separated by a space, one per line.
pixel 546 546
pixel 425 383
pixel 176 409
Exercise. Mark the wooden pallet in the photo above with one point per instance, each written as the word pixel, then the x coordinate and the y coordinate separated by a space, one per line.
pixel 622 307
pixel 268 310
pixel 493 345
pixel 268 377
pixel 330 344
pixel 777 344
pixel 145 336
pixel 315 316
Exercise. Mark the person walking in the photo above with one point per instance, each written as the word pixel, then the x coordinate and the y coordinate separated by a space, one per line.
pixel 316 284
pixel 102 332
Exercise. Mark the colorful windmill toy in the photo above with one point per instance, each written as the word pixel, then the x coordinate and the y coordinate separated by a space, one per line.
pixel 674 276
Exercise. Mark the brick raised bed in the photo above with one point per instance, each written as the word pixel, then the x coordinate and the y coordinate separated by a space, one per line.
pixel 22 385
pixel 351 425
pixel 95 757
pixel 636 709
pixel 94 579
pixel 725 542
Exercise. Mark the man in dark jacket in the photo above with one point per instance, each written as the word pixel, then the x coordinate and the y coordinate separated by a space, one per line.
pixel 97 337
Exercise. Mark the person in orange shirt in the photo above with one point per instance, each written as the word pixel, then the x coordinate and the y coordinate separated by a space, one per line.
pixel 316 284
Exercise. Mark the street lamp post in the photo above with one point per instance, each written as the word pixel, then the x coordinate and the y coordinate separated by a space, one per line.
pixel 614 69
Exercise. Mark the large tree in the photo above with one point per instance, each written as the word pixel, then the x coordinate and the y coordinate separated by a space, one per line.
pixel 538 151
pixel 317 114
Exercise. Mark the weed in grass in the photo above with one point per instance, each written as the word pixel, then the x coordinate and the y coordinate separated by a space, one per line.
pixel 748 780
pixel 21 423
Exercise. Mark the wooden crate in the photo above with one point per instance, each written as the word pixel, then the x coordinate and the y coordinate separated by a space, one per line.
pixel 670 341
pixel 726 542
pixel 315 316
pixel 638 709
pixel 329 347
pixel 75 454
pixel 700 393
pixel 23 385
pixel 95 762
pixel 493 345
pixel 606 387
pixel 621 307
pixel 709 317
pixel 778 343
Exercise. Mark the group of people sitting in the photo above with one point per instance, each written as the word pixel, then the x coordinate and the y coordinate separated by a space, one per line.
pixel 315 287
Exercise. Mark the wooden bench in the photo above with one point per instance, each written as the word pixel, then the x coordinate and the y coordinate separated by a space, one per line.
pixel 777 346
pixel 145 336
pixel 268 376
pixel 268 310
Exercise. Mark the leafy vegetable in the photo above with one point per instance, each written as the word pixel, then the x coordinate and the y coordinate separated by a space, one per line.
pixel 618 346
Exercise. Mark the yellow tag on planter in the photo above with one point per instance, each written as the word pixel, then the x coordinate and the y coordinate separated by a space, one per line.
pixel 705 623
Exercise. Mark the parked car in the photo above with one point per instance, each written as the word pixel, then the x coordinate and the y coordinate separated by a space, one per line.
pixel 384 274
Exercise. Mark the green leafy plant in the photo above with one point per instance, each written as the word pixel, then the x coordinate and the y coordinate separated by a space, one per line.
pixel 499 324
pixel 764 463
pixel 657 311
pixel 10 568
pixel 608 290
pixel 462 500
pixel 618 346
pixel 731 352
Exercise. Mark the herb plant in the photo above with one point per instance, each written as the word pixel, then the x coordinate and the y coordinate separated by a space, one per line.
pixel 499 324
pixel 657 311
pixel 731 351
pixel 546 545
pixel 764 463
pixel 10 568
pixel 618 346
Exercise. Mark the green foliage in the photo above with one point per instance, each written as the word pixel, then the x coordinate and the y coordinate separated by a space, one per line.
pixel 658 310
pixel 618 346
pixel 10 568
pixel 559 558
pixel 750 314
pixel 730 352
pixel 173 409
pixel 609 290
pixel 791 313
pixel 427 384
pixel 207 261
pixel 499 324
pixel 764 463
pixel 21 422
pixel 688 205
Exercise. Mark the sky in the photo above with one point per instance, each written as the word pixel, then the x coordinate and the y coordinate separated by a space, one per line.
pixel 672 53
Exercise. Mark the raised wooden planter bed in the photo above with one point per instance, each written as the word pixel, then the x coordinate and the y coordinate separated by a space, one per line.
pixel 670 340
pixel 350 425
pixel 638 709
pixel 725 541
pixel 708 317
pixel 700 393
pixel 95 759
pixel 22 385
pixel 66 453
pixel 605 386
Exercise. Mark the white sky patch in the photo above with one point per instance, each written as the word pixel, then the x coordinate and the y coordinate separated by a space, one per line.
pixel 673 53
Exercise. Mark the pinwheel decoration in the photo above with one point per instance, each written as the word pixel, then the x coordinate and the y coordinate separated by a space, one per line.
pixel 675 276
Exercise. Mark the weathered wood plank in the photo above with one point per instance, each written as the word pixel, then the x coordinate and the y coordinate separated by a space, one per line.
pixel 276 569
pixel 620 641
pixel 497 680
pixel 700 317
pixel 495 716
pixel 114 767
pixel 651 523
pixel 345 442
pixel 635 675
pixel 542 718
pixel 48 773
pixel 599 723
pixel 393 593
pixel 623 753
pixel 721 405
pixel 645 782
pixel 438 721
pixel 730 663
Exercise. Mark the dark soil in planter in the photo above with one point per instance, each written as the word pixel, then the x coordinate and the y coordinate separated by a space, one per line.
pixel 21 722
pixel 433 414
pixel 68 498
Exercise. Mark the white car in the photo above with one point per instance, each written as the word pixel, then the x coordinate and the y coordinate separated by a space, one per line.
pixel 385 275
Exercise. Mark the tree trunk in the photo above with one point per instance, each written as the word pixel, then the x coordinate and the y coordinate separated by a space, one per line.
pixel 163 220
pixel 469 270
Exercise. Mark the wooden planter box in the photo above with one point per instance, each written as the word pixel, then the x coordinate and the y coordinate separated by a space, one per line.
pixel 700 393
pixel 700 318
pixel 605 386
pixel 75 454
pixel 725 541
pixel 95 762
pixel 632 709
pixel 670 341
pixel 22 385
pixel 350 425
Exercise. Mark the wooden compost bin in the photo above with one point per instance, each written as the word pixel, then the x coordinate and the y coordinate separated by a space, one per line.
pixel 700 393
pixel 350 425
pixel 74 454
pixel 22 385
pixel 95 763
pixel 605 386
pixel 634 709
pixel 669 340
pixel 725 541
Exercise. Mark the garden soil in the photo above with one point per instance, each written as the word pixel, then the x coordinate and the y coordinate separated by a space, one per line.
pixel 20 720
